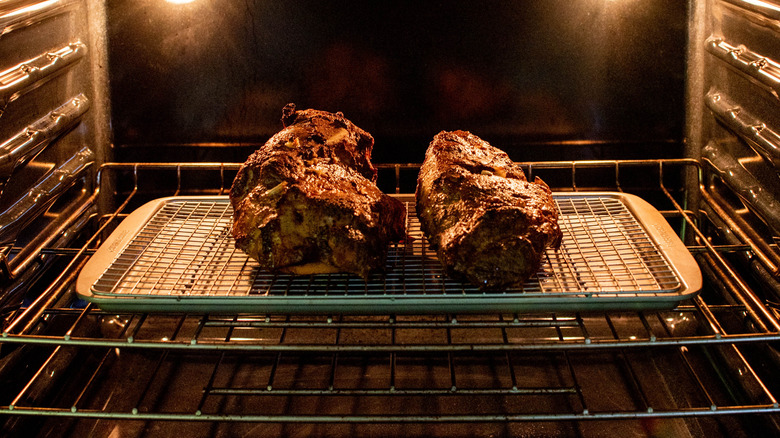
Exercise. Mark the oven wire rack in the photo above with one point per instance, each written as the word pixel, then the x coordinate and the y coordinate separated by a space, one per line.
pixel 249 358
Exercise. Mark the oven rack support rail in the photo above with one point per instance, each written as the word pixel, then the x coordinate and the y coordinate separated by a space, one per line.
pixel 572 334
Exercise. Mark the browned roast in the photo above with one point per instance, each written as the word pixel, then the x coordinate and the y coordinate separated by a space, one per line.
pixel 306 202
pixel 487 223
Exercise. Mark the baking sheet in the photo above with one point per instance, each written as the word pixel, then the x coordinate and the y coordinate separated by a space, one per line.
pixel 176 254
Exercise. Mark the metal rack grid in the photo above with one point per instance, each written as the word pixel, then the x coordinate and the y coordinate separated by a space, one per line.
pixel 396 369
pixel 185 250
pixel 287 369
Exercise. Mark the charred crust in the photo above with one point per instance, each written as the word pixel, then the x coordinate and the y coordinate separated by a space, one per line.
pixel 288 114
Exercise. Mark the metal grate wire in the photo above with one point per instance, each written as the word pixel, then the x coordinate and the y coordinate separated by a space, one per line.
pixel 186 250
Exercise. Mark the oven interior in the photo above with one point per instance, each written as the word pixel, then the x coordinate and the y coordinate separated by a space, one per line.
pixel 109 105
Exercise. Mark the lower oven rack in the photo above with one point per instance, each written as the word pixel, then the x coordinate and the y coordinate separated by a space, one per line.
pixel 335 374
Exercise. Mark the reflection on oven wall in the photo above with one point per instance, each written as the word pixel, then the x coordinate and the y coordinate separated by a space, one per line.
pixel 741 122
pixel 514 72
pixel 52 127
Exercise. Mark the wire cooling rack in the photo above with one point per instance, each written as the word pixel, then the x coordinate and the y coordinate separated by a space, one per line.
pixel 177 254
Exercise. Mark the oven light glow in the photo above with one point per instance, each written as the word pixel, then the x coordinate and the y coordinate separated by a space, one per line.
pixel 29 9
pixel 179 2
pixel 763 4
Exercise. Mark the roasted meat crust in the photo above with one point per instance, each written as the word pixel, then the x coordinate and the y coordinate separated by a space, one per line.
pixel 488 224
pixel 306 202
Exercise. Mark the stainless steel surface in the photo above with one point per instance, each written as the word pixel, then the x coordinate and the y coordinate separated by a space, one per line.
pixel 22 13
pixel 753 131
pixel 48 124
pixel 20 78
pixel 766 9
pixel 763 70
pixel 43 194
pixel 24 146
pixel 738 121
pixel 753 191
pixel 738 73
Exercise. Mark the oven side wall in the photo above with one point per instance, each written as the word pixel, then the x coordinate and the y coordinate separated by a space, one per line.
pixel 54 129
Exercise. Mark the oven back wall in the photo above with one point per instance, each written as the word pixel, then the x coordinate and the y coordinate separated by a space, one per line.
pixel 602 73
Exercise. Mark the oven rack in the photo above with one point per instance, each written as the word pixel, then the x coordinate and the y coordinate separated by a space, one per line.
pixel 321 350
pixel 250 356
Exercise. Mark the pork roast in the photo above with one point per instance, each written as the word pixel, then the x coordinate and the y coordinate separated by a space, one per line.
pixel 487 223
pixel 306 202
